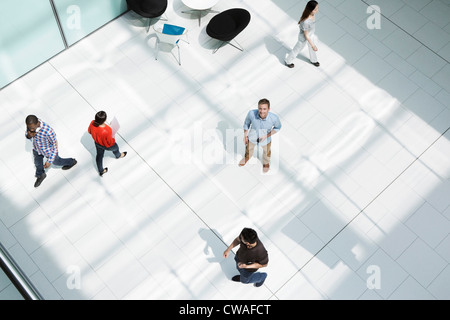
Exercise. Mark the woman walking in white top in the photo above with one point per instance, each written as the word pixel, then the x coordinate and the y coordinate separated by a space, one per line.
pixel 307 25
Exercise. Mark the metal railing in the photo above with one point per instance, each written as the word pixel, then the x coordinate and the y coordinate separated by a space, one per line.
pixel 17 276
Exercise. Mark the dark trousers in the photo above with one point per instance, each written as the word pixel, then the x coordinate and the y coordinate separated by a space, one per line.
pixel 39 162
pixel 250 277
pixel 101 153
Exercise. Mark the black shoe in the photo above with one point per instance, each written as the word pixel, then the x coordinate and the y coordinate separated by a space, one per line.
pixel 39 180
pixel 316 64
pixel 291 65
pixel 123 155
pixel 103 172
pixel 68 167
pixel 236 278
pixel 259 284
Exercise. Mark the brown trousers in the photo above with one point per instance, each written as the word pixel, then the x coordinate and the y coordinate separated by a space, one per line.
pixel 250 147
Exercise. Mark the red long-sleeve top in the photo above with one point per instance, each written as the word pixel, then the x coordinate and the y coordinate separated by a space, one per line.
pixel 102 135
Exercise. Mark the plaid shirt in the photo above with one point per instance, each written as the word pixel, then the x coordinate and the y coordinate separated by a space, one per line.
pixel 45 142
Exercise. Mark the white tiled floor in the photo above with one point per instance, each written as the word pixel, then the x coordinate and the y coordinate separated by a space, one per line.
pixel 358 190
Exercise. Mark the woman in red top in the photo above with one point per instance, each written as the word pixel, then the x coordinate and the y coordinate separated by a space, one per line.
pixel 102 135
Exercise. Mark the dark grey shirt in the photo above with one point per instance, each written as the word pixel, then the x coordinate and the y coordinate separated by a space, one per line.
pixel 256 254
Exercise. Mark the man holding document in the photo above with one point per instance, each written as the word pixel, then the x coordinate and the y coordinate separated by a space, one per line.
pixel 103 136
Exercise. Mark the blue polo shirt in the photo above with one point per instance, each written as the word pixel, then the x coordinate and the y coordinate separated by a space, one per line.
pixel 258 127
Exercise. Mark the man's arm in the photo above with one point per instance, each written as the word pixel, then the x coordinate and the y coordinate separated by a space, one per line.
pixel 245 136
pixel 271 133
pixel 254 265
pixel 247 125
pixel 275 129
pixel 52 150
pixel 235 243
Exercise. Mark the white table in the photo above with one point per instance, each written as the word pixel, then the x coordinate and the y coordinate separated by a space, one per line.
pixel 199 6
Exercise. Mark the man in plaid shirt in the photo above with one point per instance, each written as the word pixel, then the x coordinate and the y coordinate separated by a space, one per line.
pixel 44 145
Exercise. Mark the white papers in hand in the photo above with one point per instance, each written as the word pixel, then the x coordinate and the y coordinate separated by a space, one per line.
pixel 114 126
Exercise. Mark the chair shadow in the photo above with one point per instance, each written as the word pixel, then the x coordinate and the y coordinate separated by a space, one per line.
pixel 135 20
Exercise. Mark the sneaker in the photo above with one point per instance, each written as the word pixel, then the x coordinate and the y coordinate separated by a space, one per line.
pixel 236 278
pixel 103 172
pixel 266 168
pixel 316 64
pixel 290 65
pixel 68 167
pixel 40 179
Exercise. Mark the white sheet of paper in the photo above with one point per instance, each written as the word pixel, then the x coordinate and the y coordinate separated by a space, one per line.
pixel 114 126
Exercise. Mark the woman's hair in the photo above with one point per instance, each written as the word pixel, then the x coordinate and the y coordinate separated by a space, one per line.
pixel 100 118
pixel 310 6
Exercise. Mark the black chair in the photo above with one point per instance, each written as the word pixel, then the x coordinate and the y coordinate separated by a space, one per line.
pixel 148 8
pixel 226 25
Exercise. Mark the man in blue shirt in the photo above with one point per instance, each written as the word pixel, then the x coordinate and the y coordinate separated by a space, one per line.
pixel 259 125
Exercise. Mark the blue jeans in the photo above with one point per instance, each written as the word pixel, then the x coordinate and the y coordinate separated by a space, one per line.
pixel 101 152
pixel 39 162
pixel 250 277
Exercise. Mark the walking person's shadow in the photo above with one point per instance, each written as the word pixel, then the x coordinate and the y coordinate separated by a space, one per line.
pixel 214 248
pixel 88 143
